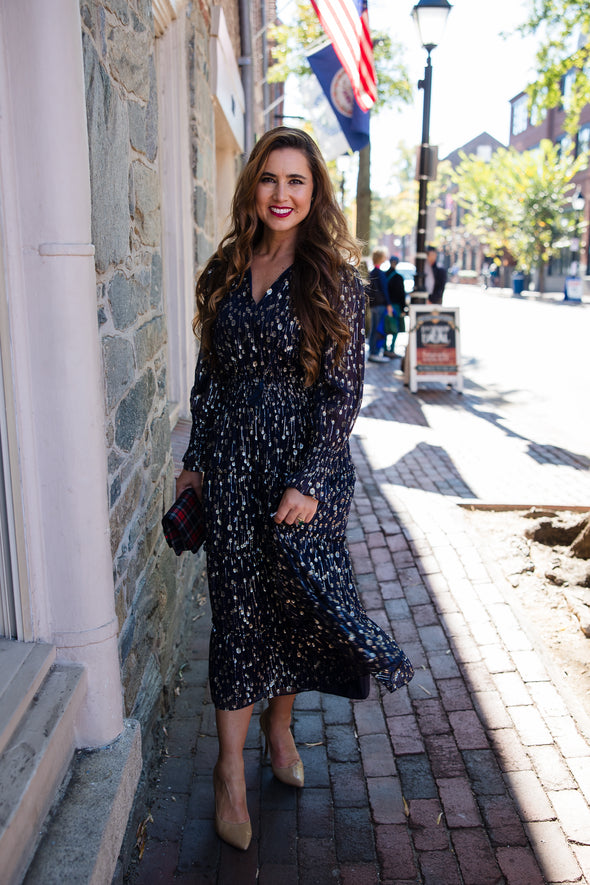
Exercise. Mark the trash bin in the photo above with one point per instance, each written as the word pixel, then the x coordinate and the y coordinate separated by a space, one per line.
pixel 517 283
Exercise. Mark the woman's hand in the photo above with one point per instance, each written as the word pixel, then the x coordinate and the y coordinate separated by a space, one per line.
pixel 295 508
pixel 189 479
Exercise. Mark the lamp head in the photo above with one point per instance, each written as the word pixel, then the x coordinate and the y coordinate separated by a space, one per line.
pixel 578 202
pixel 430 17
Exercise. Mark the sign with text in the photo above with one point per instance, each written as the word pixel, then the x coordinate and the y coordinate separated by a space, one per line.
pixel 434 346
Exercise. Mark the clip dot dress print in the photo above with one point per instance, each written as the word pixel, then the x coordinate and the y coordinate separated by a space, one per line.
pixel 286 616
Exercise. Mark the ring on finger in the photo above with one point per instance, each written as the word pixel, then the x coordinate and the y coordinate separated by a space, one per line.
pixel 300 521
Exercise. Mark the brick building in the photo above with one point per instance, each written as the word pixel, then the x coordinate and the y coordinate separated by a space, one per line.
pixel 461 249
pixel 122 128
pixel 526 132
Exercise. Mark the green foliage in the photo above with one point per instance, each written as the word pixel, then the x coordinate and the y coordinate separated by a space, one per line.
pixel 396 214
pixel 559 23
pixel 520 202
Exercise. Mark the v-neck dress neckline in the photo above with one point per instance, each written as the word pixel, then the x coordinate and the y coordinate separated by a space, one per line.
pixel 269 289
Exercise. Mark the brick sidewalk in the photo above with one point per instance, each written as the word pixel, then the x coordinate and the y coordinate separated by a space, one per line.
pixel 479 771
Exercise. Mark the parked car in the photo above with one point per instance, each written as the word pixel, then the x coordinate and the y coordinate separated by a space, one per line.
pixel 408 272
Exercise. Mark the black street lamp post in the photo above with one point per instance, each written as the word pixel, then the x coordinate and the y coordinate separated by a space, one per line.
pixel 430 17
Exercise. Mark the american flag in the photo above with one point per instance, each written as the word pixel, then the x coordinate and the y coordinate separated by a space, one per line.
pixel 346 22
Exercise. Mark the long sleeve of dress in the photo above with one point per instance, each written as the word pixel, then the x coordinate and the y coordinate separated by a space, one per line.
pixel 204 397
pixel 337 399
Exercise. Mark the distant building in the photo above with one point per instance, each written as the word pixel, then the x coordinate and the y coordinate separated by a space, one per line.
pixel 526 132
pixel 463 251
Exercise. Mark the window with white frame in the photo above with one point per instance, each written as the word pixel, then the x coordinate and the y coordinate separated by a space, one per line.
pixel 176 191
pixel 520 115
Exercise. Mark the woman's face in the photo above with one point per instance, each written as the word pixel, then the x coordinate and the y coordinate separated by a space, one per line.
pixel 284 191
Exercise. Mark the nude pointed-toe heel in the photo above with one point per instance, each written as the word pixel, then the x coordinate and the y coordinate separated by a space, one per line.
pixel 238 835
pixel 292 775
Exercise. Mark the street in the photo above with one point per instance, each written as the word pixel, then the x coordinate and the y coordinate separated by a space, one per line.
pixel 530 359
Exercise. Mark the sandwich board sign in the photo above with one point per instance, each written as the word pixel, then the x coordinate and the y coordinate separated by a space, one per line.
pixel 434 346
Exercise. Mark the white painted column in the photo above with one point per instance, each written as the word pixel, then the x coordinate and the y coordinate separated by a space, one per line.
pixel 56 357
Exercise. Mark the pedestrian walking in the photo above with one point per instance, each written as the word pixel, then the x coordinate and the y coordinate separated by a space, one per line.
pixel 278 385
pixel 379 305
pixel 436 277
pixel 397 298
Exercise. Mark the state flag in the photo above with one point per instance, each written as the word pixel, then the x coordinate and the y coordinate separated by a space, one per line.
pixel 337 88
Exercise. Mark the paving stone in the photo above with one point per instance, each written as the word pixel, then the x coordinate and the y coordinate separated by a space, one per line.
pixel 477 859
pixel 428 825
pixel 567 737
pixel 357 874
pixel 573 814
pixel 444 756
pixel 314 814
pixel 501 820
pixel 385 798
pixel 512 689
pixel 416 777
pixel 341 743
pixel 551 768
pixel 529 796
pixel 317 862
pixel 519 865
pixel 443 665
pixel 468 730
pixel 491 710
pixel 484 772
pixel 530 726
pixel 458 802
pixel 395 853
pixel 509 751
pixel 555 857
pixel 349 786
pixel 353 833
pixel 433 638
pixel 405 735
pixel 454 695
pixel 377 755
pixel 438 867
pixel 432 718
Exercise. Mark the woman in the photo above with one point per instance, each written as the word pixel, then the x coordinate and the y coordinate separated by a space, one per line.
pixel 278 386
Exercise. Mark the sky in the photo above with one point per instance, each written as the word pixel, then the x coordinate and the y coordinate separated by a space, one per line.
pixel 475 74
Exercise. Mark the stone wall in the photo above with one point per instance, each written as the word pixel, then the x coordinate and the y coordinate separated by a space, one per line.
pixel 202 132
pixel 152 585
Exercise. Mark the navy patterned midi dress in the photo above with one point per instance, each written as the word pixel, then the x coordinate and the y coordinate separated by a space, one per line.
pixel 286 616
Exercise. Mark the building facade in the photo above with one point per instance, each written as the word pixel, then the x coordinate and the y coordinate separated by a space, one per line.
pixel 526 132
pixel 123 124
pixel 462 250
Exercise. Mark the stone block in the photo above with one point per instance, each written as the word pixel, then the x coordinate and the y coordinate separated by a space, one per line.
pixel 133 411
pixel 128 299
pixel 125 509
pixel 128 57
pixel 108 137
pixel 119 368
pixel 146 187
pixel 149 339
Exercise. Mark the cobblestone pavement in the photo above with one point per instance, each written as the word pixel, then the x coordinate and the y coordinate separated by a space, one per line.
pixel 479 771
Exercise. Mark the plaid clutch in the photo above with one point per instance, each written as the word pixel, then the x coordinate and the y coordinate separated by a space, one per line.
pixel 184 524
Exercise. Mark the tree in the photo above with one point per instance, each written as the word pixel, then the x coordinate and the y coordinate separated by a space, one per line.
pixel 519 201
pixel 562 25
pixel 396 213
pixel 291 43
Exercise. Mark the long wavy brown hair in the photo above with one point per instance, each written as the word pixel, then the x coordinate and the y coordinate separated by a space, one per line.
pixel 325 252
